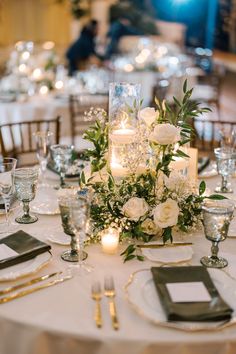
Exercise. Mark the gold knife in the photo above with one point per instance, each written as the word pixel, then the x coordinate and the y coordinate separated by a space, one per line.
pixel 28 283
pixel 165 245
pixel 22 293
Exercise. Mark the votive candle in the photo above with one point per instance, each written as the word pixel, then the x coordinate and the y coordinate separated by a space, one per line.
pixel 110 241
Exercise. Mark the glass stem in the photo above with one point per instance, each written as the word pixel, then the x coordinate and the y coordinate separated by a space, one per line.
pixel 43 166
pixel 62 176
pixel 7 207
pixel 26 209
pixel 224 183
pixel 214 250
pixel 73 245
pixel 81 248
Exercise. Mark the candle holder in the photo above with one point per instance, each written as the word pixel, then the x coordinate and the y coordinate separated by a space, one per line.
pixel 110 240
pixel 124 101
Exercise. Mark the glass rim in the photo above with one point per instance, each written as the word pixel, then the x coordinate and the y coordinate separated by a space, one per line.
pixel 30 171
pixel 209 204
pixel 56 146
pixel 43 133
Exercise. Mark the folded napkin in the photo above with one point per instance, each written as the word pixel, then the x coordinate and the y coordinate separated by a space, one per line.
pixel 20 247
pixel 203 162
pixel 213 310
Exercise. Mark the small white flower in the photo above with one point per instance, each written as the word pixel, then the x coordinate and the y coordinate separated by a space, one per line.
pixel 135 207
pixel 148 115
pixel 165 134
pixel 166 214
pixel 178 183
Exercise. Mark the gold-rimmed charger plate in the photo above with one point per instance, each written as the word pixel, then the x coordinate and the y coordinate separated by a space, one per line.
pixel 142 295
pixel 25 268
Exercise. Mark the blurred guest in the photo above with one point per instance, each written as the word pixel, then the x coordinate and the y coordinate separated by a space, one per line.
pixel 83 49
pixel 119 28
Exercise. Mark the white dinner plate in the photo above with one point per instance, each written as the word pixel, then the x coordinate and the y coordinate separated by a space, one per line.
pixel 168 254
pixel 142 295
pixel 59 237
pixel 45 202
pixel 25 268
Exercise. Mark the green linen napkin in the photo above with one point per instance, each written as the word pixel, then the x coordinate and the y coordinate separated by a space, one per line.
pixel 25 245
pixel 215 310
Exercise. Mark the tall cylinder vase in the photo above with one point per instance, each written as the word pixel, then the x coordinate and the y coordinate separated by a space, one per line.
pixel 124 100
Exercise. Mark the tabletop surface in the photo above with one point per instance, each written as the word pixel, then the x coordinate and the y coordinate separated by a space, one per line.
pixel 64 313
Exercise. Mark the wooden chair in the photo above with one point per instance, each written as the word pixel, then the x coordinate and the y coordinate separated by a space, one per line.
pixel 209 87
pixel 207 134
pixel 16 139
pixel 78 105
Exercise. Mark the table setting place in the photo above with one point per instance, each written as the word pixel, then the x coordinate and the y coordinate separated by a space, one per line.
pixel 121 208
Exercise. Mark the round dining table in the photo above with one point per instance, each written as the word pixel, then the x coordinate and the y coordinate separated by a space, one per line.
pixel 60 319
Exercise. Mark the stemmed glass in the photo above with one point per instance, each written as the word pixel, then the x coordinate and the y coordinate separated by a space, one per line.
pixel 62 157
pixel 71 255
pixel 228 138
pixel 43 142
pixel 225 160
pixel 25 180
pixel 216 220
pixel 7 167
pixel 79 213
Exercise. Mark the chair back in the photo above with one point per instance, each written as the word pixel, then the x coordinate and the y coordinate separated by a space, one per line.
pixel 207 133
pixel 16 139
pixel 78 105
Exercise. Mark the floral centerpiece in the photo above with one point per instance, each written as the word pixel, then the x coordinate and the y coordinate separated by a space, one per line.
pixel 152 198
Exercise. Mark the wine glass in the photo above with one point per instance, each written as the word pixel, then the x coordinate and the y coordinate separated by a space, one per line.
pixel 7 166
pixel 217 215
pixel 225 160
pixel 25 180
pixel 71 255
pixel 43 142
pixel 228 138
pixel 79 210
pixel 62 157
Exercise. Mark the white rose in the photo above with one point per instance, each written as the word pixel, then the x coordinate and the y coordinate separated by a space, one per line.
pixel 135 207
pixel 165 134
pixel 149 227
pixel 166 214
pixel 148 115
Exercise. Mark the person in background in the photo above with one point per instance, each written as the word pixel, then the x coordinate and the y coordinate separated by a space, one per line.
pixel 119 28
pixel 83 49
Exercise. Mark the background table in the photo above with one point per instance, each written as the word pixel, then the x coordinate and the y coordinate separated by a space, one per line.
pixel 59 320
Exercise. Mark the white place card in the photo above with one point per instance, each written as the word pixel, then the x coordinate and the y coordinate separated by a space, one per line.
pixel 7 252
pixel 188 292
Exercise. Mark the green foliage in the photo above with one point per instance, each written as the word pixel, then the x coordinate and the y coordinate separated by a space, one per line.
pixel 110 194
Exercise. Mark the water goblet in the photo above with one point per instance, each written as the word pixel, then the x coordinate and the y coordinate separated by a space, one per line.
pixel 43 142
pixel 7 167
pixel 71 255
pixel 217 215
pixel 62 157
pixel 79 212
pixel 225 160
pixel 25 180
pixel 228 138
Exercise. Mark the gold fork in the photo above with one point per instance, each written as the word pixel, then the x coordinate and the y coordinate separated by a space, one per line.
pixel 110 293
pixel 97 295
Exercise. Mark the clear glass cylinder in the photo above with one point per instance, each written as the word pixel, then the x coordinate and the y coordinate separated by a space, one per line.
pixel 124 101
pixel 123 97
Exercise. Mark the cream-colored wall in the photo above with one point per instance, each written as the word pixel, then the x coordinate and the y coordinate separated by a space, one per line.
pixel 37 20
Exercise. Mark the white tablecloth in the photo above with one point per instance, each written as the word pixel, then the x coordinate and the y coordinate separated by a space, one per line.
pixel 59 319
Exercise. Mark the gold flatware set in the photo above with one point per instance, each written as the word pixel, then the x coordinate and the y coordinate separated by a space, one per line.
pixel 13 294
pixel 110 293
